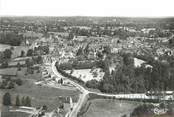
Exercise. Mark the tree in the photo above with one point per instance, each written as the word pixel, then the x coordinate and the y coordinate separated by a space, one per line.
pixel 23 101
pixel 18 101
pixel 45 107
pixel 7 99
pixel 4 64
pixel 11 38
pixel 1 57
pixel 124 115
pixel 127 59
pixel 7 54
pixel 19 66
pixel 106 87
pixel 92 84
pixel 30 52
pixel 171 42
pixel 11 85
pixel 29 62
pixel 61 81
pixel 18 81
pixel 79 52
pixel 12 48
pixel 39 60
pixel 99 55
pixel 22 54
pixel 107 50
pixel 71 36
pixel 27 101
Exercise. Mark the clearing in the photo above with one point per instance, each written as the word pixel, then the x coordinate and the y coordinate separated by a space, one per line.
pixel 87 74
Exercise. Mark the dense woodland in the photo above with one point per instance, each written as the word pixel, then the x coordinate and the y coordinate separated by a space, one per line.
pixel 127 78
pixel 11 38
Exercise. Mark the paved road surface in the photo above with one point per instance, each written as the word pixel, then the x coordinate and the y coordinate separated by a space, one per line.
pixel 82 96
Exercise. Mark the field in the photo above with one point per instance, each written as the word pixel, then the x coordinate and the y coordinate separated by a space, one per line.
pixel 109 108
pixel 87 74
pixel 14 114
pixel 40 95
pixel 4 46
pixel 8 71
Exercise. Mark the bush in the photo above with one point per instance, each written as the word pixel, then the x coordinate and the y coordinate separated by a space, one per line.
pixel 10 85
pixel 92 84
pixel 30 52
pixel 4 64
pixel 7 99
pixel 17 101
pixel 77 65
pixel 18 82
pixel 145 109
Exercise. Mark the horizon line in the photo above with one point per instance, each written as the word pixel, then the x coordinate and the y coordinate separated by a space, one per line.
pixel 116 16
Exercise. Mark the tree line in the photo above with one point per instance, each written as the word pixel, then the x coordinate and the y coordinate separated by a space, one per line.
pixel 11 38
pixel 24 101
pixel 9 83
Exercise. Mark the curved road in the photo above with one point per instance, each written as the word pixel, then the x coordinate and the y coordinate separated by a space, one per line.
pixel 85 92
pixel 82 96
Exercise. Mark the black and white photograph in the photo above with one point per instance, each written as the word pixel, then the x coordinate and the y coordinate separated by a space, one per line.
pixel 86 58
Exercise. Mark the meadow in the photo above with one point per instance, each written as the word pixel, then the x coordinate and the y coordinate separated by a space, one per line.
pixel 109 108
pixel 40 95
pixel 14 114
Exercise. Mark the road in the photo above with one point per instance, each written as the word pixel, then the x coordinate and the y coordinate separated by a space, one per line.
pixel 82 96
pixel 85 92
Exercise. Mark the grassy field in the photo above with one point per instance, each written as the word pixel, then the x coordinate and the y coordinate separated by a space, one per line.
pixel 14 114
pixel 109 108
pixel 4 46
pixel 40 95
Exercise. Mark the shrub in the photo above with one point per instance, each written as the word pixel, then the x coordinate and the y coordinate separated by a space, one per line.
pixel 18 82
pixel 92 84
pixel 7 99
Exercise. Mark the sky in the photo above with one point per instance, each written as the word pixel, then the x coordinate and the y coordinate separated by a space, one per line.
pixel 128 8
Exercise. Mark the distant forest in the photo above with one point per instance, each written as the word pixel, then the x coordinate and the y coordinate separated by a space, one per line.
pixel 11 38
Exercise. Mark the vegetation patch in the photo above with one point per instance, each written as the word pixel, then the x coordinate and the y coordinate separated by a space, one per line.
pixel 109 108
pixel 14 114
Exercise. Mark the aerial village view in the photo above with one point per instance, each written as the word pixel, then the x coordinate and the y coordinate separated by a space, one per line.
pixel 84 66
